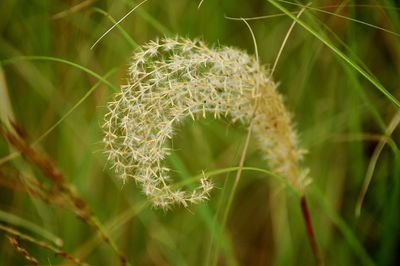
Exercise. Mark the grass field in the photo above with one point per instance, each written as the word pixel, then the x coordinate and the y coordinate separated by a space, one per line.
pixel 339 73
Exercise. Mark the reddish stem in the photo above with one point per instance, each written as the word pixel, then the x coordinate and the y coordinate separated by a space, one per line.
pixel 310 231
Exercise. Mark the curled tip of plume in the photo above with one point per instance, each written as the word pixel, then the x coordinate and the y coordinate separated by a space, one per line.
pixel 172 79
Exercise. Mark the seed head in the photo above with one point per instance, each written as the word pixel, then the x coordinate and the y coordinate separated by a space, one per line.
pixel 172 79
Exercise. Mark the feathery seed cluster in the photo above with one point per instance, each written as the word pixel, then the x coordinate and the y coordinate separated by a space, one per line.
pixel 171 79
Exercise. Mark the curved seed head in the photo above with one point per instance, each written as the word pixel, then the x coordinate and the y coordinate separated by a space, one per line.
pixel 172 79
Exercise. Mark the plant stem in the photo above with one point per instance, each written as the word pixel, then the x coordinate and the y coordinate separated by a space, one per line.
pixel 310 231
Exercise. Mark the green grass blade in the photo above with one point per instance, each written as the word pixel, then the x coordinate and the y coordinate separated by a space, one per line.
pixel 340 54
pixel 204 212
pixel 60 60
pixel 346 231
pixel 128 38
pixel 17 221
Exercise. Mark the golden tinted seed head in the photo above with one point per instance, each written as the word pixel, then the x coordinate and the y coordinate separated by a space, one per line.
pixel 172 79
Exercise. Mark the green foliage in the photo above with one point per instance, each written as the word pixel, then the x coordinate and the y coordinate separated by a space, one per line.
pixel 339 73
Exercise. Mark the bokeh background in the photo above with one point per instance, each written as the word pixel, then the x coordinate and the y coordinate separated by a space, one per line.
pixel 346 123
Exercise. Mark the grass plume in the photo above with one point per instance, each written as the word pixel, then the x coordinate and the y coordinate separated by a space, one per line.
pixel 171 79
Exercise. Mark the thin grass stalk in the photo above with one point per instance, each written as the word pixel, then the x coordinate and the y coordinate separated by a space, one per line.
pixel 19 235
pixel 15 243
pixel 46 166
pixel 365 73
pixel 310 231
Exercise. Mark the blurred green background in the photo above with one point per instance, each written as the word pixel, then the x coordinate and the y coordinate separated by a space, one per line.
pixel 342 119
